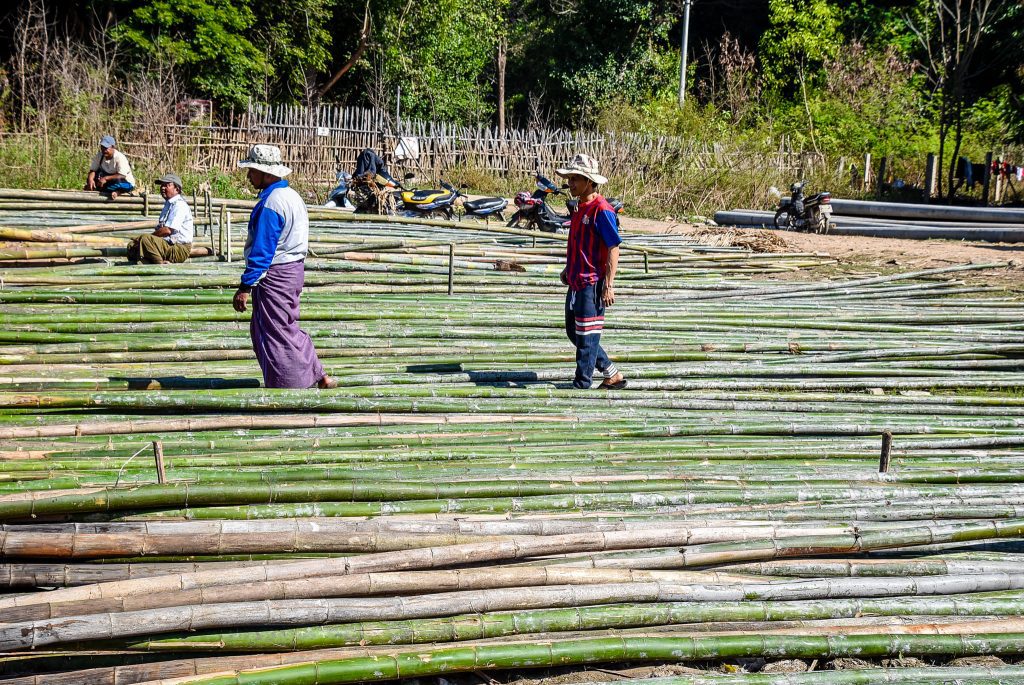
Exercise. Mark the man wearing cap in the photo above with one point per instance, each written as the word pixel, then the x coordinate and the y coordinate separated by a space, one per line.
pixel 275 248
pixel 592 258
pixel 171 242
pixel 109 171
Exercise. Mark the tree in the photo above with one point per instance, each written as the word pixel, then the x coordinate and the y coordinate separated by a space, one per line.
pixel 804 35
pixel 207 40
pixel 296 42
pixel 950 33
pixel 440 53
pixel 585 53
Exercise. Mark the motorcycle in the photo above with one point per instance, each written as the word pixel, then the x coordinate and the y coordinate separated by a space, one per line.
pixel 441 203
pixel 485 207
pixel 339 196
pixel 804 214
pixel 535 211
pixel 431 203
pixel 538 215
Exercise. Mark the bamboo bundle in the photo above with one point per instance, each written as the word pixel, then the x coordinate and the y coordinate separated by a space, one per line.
pixel 16 634
pixel 731 497
pixel 15 234
pixel 465 627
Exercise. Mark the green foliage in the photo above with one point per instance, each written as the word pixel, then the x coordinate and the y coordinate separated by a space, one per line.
pixel 663 116
pixel 804 34
pixel 879 27
pixel 871 101
pixel 206 39
pixel 442 55
pixel 296 42
pixel 601 50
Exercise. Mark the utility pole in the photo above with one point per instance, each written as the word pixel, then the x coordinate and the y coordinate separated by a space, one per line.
pixel 682 56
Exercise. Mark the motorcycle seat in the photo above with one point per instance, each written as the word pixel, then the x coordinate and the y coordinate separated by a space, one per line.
pixel 422 197
pixel 616 204
pixel 491 204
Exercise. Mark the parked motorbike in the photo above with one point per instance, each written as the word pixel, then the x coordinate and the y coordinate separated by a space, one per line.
pixel 533 209
pixel 441 203
pixel 485 207
pixel 431 203
pixel 804 214
pixel 339 196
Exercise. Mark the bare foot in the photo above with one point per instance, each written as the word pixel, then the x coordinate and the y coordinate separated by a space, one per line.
pixel 113 195
pixel 326 383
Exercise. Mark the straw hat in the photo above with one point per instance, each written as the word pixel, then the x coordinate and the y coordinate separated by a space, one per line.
pixel 585 166
pixel 266 158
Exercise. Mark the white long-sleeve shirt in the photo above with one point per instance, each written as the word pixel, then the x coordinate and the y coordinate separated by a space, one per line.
pixel 177 216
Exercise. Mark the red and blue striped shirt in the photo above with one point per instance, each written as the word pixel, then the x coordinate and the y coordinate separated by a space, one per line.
pixel 592 232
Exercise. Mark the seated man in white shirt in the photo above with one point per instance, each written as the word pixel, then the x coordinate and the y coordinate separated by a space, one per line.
pixel 171 242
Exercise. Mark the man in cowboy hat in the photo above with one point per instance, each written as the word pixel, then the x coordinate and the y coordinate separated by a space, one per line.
pixel 592 257
pixel 109 171
pixel 275 248
pixel 171 242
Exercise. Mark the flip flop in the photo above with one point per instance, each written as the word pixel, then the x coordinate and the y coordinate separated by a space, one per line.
pixel 619 385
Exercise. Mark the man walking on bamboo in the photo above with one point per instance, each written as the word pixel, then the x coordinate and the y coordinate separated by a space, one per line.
pixel 275 248
pixel 171 242
pixel 592 258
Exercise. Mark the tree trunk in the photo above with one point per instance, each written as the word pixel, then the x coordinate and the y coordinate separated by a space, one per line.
pixel 502 50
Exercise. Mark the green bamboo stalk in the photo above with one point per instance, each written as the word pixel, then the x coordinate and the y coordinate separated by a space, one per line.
pixel 490 625
pixel 425 663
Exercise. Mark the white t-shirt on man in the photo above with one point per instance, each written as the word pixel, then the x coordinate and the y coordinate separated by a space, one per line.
pixel 117 164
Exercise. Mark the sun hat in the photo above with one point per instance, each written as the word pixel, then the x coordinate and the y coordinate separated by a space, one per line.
pixel 170 178
pixel 107 141
pixel 266 158
pixel 585 166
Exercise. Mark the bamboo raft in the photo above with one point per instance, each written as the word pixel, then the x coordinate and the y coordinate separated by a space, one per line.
pixel 454 510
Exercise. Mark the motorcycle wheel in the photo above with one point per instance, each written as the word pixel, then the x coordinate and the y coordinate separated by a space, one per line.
pixel 514 221
pixel 784 220
pixel 439 214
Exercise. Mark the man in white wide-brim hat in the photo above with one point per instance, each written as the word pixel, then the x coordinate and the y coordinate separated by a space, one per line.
pixel 275 247
pixel 591 260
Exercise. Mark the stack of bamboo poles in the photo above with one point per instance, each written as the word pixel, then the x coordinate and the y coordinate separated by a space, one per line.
pixel 456 508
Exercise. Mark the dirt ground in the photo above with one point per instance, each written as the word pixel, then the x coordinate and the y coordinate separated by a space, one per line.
pixel 861 255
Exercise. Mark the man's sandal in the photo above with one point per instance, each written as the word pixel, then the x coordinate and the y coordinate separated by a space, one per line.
pixel 617 385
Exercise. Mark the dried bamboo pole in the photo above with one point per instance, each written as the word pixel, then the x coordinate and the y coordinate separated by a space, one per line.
pixel 131 624
pixel 520 548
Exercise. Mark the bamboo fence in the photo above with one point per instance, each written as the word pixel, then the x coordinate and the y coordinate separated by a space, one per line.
pixel 455 508
pixel 325 137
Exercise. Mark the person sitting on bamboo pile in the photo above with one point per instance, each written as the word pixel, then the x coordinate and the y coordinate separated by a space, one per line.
pixel 109 171
pixel 592 258
pixel 171 242
pixel 275 248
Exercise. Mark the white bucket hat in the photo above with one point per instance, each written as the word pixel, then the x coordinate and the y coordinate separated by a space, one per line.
pixel 583 165
pixel 266 158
